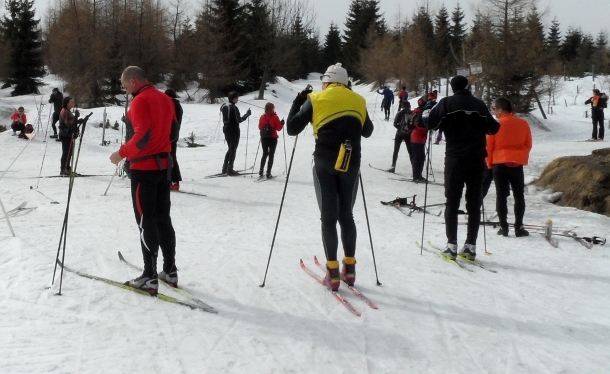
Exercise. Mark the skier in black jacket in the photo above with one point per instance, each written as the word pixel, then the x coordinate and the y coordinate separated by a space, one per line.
pixel 57 99
pixel 176 175
pixel 231 120
pixel 465 120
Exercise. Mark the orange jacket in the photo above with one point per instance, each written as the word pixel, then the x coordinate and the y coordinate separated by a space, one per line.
pixel 512 143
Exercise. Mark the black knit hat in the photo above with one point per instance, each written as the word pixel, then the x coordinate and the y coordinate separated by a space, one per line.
pixel 459 83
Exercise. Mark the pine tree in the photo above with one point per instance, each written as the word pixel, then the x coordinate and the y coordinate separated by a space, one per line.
pixel 363 17
pixel 443 41
pixel 601 52
pixel 331 52
pixel 458 33
pixel 23 33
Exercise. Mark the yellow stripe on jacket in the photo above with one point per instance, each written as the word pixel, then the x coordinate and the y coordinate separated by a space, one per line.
pixel 334 102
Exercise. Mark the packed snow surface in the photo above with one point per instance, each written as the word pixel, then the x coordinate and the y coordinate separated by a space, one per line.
pixel 544 311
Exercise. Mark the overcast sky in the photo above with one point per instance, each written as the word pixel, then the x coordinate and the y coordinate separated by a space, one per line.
pixel 589 15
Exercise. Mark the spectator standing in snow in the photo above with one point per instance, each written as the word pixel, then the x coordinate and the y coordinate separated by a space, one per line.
pixel 176 175
pixel 269 137
pixel 231 120
pixel 339 119
pixel 402 122
pixel 598 102
pixel 507 152
pixel 152 115
pixel 68 131
pixel 465 120
pixel 387 102
pixel 57 98
pixel 19 121
pixel 403 98
pixel 419 135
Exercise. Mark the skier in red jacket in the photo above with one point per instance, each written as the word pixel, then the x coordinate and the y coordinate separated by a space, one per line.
pixel 153 117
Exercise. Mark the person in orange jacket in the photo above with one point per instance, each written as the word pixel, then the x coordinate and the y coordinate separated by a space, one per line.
pixel 269 137
pixel 507 152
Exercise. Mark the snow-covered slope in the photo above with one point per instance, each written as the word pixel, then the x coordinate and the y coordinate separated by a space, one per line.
pixel 544 311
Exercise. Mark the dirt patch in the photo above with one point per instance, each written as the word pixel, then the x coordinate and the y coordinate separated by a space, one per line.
pixel 584 181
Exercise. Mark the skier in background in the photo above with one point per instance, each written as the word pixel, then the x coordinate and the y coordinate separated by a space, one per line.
pixel 231 119
pixel 387 102
pixel 57 99
pixel 465 120
pixel 176 175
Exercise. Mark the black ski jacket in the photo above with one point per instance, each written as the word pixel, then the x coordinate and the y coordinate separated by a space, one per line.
pixel 465 120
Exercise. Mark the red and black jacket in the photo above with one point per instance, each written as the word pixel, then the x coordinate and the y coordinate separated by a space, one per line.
pixel 152 115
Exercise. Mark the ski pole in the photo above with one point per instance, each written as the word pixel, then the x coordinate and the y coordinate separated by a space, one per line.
pixel 247 138
pixel 7 169
pixel 285 160
pixel 64 231
pixel 279 214
pixel 423 228
pixel 368 225
pixel 44 155
pixel 256 156
pixel 484 232
pixel 118 167
pixel 8 221
pixel 46 130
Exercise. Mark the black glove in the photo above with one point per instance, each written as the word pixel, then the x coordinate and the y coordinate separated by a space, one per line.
pixel 76 113
pixel 282 122
pixel 248 112
pixel 305 92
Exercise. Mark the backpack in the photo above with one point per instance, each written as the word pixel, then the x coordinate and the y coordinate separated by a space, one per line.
pixel 405 126
pixel 29 129
pixel 603 101
pixel 267 131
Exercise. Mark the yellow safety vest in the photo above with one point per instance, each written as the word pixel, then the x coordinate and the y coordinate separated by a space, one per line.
pixel 334 102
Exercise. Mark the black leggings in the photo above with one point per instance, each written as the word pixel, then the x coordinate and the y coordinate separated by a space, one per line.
pixel 398 139
pixel 419 159
pixel 176 175
pixel 268 145
pixel 598 122
pixel 507 178
pixel 67 149
pixel 460 172
pixel 151 205
pixel 336 193
pixel 232 139
pixel 55 119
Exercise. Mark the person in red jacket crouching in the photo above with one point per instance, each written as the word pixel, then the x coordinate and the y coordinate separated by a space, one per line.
pixel 19 120
pixel 507 152
pixel 153 117
pixel 269 124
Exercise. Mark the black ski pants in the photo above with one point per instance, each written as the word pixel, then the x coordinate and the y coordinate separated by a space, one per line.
pixel 460 172
pixel 151 205
pixel 598 122
pixel 67 149
pixel 232 139
pixel 398 139
pixel 176 175
pixel 336 193
pixel 55 119
pixel 419 159
pixel 507 178
pixel 268 145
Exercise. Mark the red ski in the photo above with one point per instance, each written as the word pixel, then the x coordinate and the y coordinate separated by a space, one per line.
pixel 351 288
pixel 337 296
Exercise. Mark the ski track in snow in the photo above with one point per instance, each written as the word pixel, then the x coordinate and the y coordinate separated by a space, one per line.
pixel 544 311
